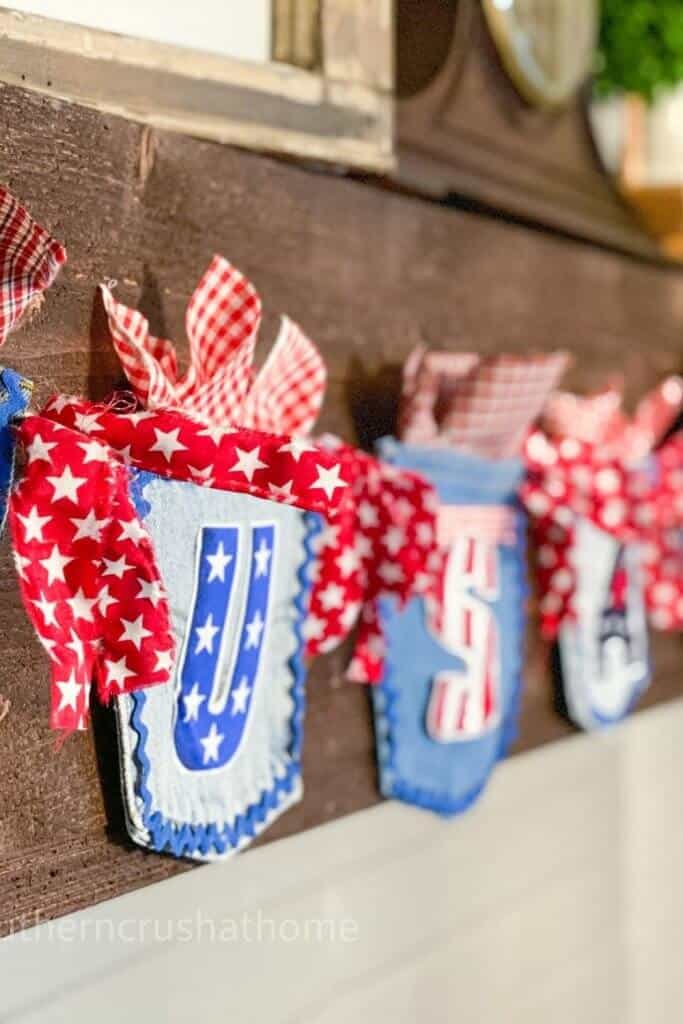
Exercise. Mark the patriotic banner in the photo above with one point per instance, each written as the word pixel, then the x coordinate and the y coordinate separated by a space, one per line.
pixel 381 541
pixel 602 512
pixel 229 519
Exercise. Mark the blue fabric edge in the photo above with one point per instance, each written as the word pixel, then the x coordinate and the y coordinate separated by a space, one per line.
pixel 431 800
pixel 166 836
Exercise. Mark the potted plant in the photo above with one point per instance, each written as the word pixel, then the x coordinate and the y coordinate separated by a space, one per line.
pixel 637 115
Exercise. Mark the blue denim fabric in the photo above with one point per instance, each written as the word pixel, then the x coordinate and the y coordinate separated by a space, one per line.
pixel 14 397
pixel 180 797
pixel 448 776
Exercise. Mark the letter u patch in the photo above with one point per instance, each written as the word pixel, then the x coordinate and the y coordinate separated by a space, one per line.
pixel 209 761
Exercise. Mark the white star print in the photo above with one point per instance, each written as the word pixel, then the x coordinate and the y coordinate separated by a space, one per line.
pixel 69 691
pixel 33 524
pixel 87 422
pixel 205 635
pixel 48 610
pixel 363 546
pixel 332 597
pixel 55 564
pixel 313 628
pixel 204 476
pixel 218 562
pixel 284 492
pixel 239 697
pixel 390 573
pixel 150 591
pixel 134 631
pixel 167 443
pixel 164 662
pixel 94 451
pixel 349 615
pixel 118 672
pixel 394 539
pixel 66 485
pixel 124 453
pixel 254 630
pixel 347 562
pixel 193 701
pixel 21 563
pixel 104 599
pixel 89 527
pixel 116 567
pixel 296 448
pixel 248 462
pixel 59 403
pixel 328 480
pixel 132 529
pixel 368 515
pixel 82 606
pixel 39 449
pixel 216 433
pixel 262 558
pixel 76 645
pixel 211 744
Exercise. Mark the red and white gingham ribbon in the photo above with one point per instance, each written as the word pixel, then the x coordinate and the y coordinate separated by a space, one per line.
pixel 221 386
pixel 29 261
pixel 481 405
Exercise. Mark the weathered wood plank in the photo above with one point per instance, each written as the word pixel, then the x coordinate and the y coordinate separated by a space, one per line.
pixel 368 274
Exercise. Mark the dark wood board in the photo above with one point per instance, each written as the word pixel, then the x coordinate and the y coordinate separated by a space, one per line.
pixel 368 274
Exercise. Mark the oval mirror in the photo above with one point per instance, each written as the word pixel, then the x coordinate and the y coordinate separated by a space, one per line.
pixel 546 46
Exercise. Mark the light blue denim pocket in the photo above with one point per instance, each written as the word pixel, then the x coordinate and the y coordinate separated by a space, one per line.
pixel 446 708
pixel 209 760
pixel 602 660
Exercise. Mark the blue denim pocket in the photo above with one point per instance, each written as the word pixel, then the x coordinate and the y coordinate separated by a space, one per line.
pixel 15 392
pixel 446 708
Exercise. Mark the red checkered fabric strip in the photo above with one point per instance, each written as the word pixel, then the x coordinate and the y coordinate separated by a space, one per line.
pixel 29 261
pixel 483 406
pixel 496 403
pixel 220 386
pixel 430 380
pixel 290 386
pixel 600 420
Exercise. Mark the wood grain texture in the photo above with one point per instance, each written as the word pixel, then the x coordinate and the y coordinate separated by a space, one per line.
pixel 368 274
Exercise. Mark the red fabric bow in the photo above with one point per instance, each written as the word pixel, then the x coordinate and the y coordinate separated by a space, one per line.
pixel 221 385
pixel 591 463
pixel 88 573
pixel 29 261
pixel 381 540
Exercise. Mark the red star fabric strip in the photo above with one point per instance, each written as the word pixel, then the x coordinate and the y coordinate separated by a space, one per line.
pixel 87 572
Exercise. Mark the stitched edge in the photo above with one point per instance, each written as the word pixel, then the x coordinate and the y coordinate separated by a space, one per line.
pixel 211 840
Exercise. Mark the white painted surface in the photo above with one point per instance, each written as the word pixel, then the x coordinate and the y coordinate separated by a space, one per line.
pixel 232 28
pixel 559 898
